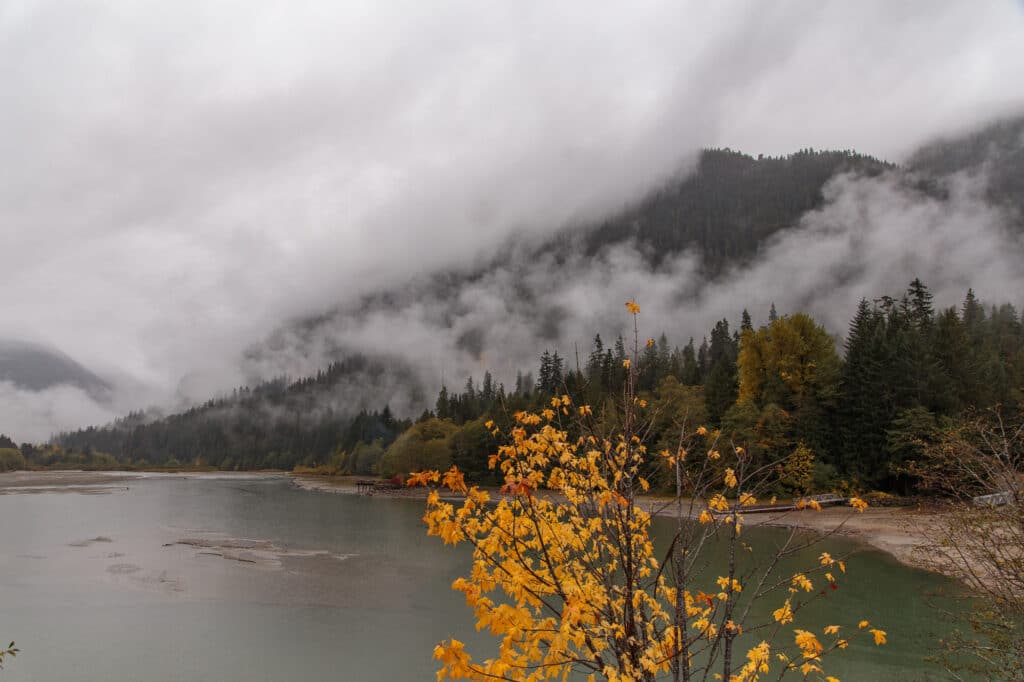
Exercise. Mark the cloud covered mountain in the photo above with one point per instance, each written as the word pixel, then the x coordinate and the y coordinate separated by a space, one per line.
pixel 33 367
pixel 814 232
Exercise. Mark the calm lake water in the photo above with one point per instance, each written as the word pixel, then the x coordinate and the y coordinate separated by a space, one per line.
pixel 224 578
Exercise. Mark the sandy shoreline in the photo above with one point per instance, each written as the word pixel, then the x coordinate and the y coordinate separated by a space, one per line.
pixel 893 530
pixel 98 482
pixel 50 479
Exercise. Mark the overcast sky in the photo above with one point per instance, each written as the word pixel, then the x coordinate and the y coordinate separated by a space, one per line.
pixel 181 177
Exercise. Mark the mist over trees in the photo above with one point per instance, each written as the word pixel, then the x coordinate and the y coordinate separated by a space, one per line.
pixel 815 231
pixel 275 424
pixel 731 204
pixel 858 412
pixel 860 405
pixel 905 369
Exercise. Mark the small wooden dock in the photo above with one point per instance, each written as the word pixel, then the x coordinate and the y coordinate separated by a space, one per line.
pixel 368 486
pixel 825 500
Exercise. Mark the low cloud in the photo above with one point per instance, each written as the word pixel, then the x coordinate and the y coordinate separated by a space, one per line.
pixel 871 237
pixel 181 178
pixel 36 415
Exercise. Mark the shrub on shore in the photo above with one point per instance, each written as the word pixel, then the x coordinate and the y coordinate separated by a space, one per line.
pixel 11 459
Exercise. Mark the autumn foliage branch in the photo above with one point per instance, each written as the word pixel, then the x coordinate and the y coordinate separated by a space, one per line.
pixel 566 575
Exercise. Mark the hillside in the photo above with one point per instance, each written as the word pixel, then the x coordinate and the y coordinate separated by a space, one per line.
pixel 273 424
pixel 35 368
pixel 997 150
pixel 725 213
pixel 730 205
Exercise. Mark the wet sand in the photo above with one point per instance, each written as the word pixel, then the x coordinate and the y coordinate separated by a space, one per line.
pixel 894 530
pixel 80 482
pixel 56 479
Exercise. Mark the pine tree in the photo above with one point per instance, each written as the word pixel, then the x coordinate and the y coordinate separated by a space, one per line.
pixel 595 361
pixel 441 407
pixel 618 372
pixel 544 378
pixel 607 370
pixel 922 369
pixel 487 389
pixel 649 367
pixel 557 373
pixel 703 363
pixel 721 385
pixel 527 384
pixel 620 350
pixel 921 312
pixel 952 352
pixel 690 369
pixel 664 355
pixel 860 441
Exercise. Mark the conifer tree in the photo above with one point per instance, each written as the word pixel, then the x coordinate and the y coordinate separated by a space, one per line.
pixel 690 369
pixel 544 378
pixel 557 373
pixel 487 389
pixel 595 361
pixel 721 385
pixel 441 407
pixel 702 360
pixel 864 413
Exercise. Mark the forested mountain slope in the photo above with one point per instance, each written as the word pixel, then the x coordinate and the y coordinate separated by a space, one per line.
pixel 996 150
pixel 730 204
pixel 724 213
pixel 274 424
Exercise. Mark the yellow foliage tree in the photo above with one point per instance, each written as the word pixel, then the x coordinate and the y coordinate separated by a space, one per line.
pixel 797 473
pixel 789 362
pixel 565 572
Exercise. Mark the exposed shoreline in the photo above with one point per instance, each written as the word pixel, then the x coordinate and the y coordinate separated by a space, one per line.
pixel 38 479
pixel 893 530
pixel 99 482
pixel 897 531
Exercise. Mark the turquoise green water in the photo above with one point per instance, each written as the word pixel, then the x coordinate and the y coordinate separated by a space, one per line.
pixel 348 588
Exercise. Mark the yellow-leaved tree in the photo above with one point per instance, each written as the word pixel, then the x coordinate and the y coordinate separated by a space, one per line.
pixel 566 575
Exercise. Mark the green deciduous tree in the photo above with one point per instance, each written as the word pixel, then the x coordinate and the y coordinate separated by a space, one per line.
pixel 423 445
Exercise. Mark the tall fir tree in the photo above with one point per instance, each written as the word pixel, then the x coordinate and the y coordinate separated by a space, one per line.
pixel 690 370
pixel 721 385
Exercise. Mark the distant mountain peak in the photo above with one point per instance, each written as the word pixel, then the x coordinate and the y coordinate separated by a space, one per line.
pixel 34 367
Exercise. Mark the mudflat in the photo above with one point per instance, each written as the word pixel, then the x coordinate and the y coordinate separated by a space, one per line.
pixel 35 481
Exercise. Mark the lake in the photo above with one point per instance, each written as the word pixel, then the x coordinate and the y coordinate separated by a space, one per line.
pixel 246 577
